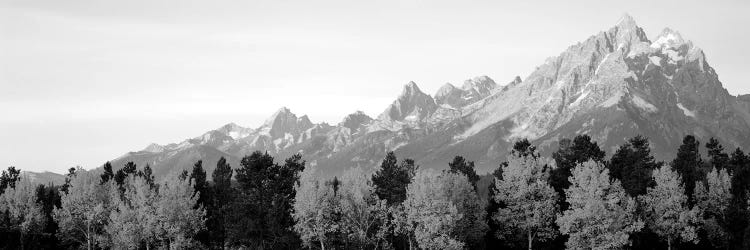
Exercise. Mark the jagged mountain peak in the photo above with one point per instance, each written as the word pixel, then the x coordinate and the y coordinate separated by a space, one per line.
pixel 154 148
pixel 411 89
pixel 668 38
pixel 355 120
pixel 412 104
pixel 626 21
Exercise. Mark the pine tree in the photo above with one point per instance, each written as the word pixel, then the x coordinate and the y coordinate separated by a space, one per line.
pixel 667 210
pixel 461 166
pixel 530 202
pixel 688 163
pixel 107 174
pixel 222 196
pixel 392 178
pixel 198 177
pixel 632 164
pixel 717 157
pixel 601 214
pixel 262 216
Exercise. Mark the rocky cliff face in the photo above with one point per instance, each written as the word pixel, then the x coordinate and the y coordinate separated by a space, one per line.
pixel 612 86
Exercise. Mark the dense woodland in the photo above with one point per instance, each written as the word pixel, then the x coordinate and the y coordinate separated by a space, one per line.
pixel 577 198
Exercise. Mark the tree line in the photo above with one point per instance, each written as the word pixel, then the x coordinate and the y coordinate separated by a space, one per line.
pixel 574 199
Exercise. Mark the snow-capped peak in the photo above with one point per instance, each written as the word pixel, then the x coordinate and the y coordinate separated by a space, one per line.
pixel 668 38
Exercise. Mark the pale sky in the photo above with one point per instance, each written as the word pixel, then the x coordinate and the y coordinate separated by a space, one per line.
pixel 83 82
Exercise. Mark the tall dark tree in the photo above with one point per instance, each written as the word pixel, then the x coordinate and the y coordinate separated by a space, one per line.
pixel 688 164
pixel 222 196
pixel 68 177
pixel 108 174
pixel 128 169
pixel 261 218
pixel 738 213
pixel 391 179
pixel 568 155
pixel 524 148
pixel 716 155
pixel 464 167
pixel 200 183
pixel 148 175
pixel 632 164
pixel 49 197
pixel 9 178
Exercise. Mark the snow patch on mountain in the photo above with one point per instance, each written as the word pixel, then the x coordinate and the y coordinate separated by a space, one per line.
pixel 686 111
pixel 643 104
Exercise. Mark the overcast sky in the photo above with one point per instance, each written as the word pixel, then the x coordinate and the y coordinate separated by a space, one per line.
pixel 83 82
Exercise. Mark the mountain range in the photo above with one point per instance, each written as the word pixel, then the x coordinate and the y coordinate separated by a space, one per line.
pixel 613 85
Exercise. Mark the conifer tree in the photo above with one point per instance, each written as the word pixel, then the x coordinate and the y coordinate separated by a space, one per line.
pixel 568 155
pixel 716 155
pixel 392 178
pixel 632 164
pixel 688 163
pixel 108 174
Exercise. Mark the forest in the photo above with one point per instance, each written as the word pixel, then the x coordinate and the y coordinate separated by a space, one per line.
pixel 575 198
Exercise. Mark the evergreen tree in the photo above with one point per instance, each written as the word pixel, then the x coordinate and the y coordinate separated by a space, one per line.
pixel 461 166
pixel 530 202
pixel 261 218
pixel 221 198
pixel 122 174
pixel 716 155
pixel 147 175
pixel 667 210
pixel 108 174
pixel 198 177
pixel 392 178
pixel 688 163
pixel 601 214
pixel 738 212
pixel 632 164
pixel 69 176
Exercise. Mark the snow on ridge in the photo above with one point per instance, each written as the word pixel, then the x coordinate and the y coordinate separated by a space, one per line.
pixel 643 104
pixel 664 40
pixel 655 60
pixel 580 98
pixel 600 64
pixel 686 111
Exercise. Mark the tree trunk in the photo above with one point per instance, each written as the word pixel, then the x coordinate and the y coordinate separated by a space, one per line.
pixel 531 239
pixel 322 247
pixel 669 244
